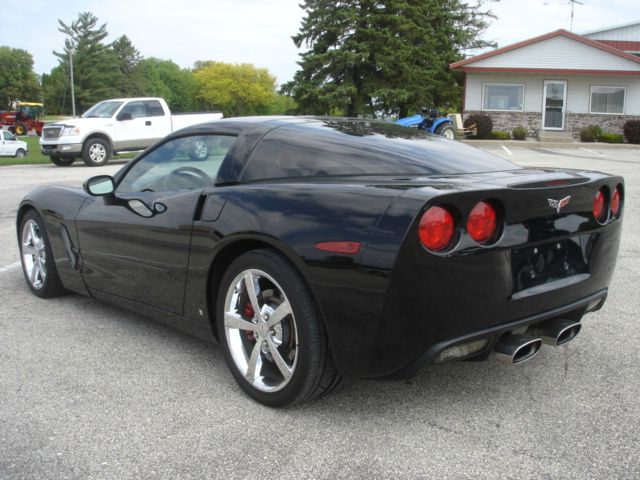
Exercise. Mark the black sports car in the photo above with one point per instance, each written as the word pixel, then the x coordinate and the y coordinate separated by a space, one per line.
pixel 315 249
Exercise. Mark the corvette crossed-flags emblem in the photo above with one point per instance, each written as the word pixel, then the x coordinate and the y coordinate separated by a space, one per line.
pixel 558 204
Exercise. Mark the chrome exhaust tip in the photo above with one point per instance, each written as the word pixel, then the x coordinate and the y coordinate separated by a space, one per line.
pixel 557 331
pixel 517 348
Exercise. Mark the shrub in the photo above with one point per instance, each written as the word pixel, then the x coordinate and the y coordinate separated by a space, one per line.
pixel 500 135
pixel 631 131
pixel 484 125
pixel 590 133
pixel 519 133
pixel 607 137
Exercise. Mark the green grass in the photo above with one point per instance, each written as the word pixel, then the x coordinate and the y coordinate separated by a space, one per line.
pixel 35 157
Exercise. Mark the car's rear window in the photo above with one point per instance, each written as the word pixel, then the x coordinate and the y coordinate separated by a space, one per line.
pixel 355 147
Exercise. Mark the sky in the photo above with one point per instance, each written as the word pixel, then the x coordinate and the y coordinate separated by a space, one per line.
pixel 256 31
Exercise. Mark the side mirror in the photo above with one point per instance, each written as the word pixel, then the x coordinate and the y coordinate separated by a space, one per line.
pixel 124 116
pixel 99 185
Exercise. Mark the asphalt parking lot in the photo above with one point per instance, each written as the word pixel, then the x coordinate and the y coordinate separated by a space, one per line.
pixel 88 390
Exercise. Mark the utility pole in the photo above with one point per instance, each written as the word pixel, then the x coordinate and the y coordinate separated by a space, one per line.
pixel 573 2
pixel 73 95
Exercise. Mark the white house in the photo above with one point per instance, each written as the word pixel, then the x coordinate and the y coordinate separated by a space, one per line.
pixel 559 81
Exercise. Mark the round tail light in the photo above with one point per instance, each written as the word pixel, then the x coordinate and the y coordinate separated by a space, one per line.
pixel 482 223
pixel 599 206
pixel 437 228
pixel 616 200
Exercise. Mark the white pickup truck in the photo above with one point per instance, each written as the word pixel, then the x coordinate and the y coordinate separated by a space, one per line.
pixel 113 126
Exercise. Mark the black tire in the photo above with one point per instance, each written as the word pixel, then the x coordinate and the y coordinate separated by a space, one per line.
pixel 21 129
pixel 313 369
pixel 447 131
pixel 96 152
pixel 48 285
pixel 20 153
pixel 62 161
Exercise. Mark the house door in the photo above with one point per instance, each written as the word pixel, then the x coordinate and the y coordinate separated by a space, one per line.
pixel 554 104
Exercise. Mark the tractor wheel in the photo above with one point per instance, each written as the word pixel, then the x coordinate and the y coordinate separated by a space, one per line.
pixel 21 129
pixel 445 130
pixel 62 162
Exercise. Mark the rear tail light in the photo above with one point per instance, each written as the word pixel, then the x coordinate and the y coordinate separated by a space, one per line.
pixel 437 228
pixel 482 223
pixel 599 206
pixel 616 201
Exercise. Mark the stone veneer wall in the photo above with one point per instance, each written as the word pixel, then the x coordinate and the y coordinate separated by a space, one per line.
pixel 532 121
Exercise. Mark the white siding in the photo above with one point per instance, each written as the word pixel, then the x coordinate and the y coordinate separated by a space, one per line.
pixel 578 90
pixel 559 53
pixel 629 33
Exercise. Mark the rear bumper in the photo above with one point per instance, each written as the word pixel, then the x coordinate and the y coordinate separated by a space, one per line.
pixel 61 150
pixel 574 310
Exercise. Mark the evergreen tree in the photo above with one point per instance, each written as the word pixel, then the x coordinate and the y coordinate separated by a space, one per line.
pixel 96 69
pixel 128 58
pixel 390 56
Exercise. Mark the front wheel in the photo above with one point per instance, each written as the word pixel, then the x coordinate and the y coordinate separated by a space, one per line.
pixel 21 129
pixel 271 333
pixel 446 131
pixel 38 264
pixel 96 152
pixel 62 161
pixel 20 153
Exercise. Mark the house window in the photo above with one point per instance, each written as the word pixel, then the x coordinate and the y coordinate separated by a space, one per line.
pixel 503 96
pixel 607 100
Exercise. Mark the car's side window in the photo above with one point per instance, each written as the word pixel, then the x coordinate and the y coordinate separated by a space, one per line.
pixel 9 137
pixel 181 163
pixel 136 109
pixel 154 109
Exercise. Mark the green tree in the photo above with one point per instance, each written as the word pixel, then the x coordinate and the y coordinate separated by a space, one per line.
pixel 128 58
pixel 96 67
pixel 163 78
pixel 235 89
pixel 390 57
pixel 17 78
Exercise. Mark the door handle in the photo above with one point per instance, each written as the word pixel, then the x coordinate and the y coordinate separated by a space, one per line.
pixel 147 123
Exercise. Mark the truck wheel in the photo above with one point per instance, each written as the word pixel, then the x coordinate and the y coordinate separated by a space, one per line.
pixel 446 131
pixel 62 162
pixel 199 151
pixel 96 152
pixel 21 129
pixel 20 153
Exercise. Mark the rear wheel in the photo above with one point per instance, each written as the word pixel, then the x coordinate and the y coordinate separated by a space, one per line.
pixel 62 161
pixel 38 264
pixel 271 333
pixel 21 129
pixel 20 153
pixel 446 131
pixel 96 152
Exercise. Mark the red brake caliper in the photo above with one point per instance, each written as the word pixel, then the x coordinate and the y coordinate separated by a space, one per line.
pixel 249 313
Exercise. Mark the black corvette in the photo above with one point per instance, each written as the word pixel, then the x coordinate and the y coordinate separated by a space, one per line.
pixel 315 249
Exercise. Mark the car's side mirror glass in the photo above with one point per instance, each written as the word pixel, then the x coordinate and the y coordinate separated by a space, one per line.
pixel 100 185
pixel 124 116
pixel 141 208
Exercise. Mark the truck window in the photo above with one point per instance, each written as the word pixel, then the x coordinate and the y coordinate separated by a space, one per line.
pixel 136 109
pixel 154 108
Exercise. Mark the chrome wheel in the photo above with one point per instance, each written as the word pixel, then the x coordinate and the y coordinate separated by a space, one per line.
pixel 97 153
pixel 260 330
pixel 200 150
pixel 20 154
pixel 34 256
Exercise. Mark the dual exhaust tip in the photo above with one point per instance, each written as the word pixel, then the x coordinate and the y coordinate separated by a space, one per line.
pixel 516 348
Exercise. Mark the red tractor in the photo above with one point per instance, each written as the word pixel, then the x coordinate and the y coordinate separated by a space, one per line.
pixel 25 118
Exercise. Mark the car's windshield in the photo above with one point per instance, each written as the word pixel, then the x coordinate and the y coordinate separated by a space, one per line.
pixel 102 110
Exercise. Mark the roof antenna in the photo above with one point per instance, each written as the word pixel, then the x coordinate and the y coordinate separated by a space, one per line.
pixel 573 2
